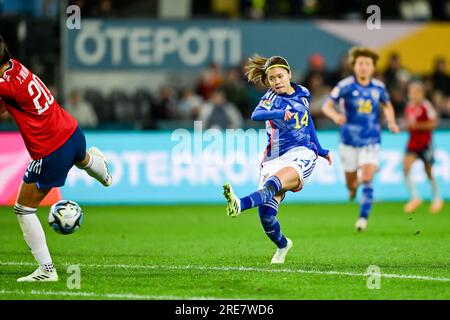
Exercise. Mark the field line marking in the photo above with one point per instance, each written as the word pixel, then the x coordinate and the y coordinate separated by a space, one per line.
pixel 244 269
pixel 105 295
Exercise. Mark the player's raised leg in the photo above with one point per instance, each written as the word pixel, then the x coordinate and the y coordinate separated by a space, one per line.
pixel 365 205
pixel 437 203
pixel 415 199
pixel 28 200
pixel 284 180
pixel 96 165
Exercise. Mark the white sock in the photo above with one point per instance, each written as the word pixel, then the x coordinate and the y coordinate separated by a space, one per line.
pixel 411 187
pixel 96 168
pixel 34 235
pixel 435 190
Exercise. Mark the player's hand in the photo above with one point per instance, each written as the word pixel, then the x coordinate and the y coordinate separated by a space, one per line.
pixel 288 115
pixel 329 159
pixel 340 119
pixel 393 127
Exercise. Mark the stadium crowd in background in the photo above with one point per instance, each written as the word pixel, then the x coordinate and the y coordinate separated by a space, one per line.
pixel 174 105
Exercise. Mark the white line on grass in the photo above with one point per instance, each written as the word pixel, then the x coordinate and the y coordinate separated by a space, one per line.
pixel 245 269
pixel 102 295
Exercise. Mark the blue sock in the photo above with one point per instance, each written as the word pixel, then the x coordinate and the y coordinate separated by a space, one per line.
pixel 267 215
pixel 366 200
pixel 271 187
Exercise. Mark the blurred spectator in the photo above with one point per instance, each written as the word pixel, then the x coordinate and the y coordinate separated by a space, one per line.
pixel 124 110
pixel 397 95
pixel 210 80
pixel 316 66
pixel 442 104
pixel 343 70
pixel 189 106
pixel 415 10
pixel 143 101
pixel 81 110
pixel 104 9
pixel 220 113
pixel 395 75
pixel 319 93
pixel 236 91
pixel 440 77
pixel 165 104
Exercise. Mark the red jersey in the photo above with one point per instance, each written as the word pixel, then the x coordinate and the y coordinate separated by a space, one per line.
pixel 419 139
pixel 43 124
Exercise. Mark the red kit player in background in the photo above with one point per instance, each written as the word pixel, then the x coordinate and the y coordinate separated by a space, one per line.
pixel 421 119
pixel 54 142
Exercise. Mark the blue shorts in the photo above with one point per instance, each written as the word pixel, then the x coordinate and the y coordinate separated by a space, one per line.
pixel 426 154
pixel 51 171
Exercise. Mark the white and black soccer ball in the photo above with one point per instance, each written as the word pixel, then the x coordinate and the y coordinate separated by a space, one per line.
pixel 65 216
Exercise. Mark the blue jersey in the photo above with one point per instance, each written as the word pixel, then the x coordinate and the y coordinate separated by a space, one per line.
pixel 361 107
pixel 285 135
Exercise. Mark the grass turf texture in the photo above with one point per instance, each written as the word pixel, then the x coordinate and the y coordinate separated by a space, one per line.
pixel 183 252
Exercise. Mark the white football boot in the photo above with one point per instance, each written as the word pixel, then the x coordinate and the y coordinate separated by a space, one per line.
pixel 41 276
pixel 280 254
pixel 95 151
pixel 361 224
pixel 233 202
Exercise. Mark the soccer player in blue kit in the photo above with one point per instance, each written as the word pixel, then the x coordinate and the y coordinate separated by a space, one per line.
pixel 360 96
pixel 292 150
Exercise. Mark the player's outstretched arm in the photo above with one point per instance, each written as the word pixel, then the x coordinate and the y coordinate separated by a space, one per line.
pixel 329 111
pixel 390 117
pixel 262 114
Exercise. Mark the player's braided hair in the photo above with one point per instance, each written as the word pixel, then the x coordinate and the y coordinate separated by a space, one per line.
pixel 4 53
pixel 258 66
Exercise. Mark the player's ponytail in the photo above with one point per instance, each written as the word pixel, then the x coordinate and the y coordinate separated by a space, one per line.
pixel 255 68
pixel 258 66
pixel 4 53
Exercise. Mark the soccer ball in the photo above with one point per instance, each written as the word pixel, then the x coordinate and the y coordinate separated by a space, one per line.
pixel 65 216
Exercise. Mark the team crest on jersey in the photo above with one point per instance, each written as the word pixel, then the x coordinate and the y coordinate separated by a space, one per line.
pixel 375 94
pixel 355 93
pixel 266 104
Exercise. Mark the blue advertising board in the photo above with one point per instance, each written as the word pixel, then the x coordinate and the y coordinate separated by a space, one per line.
pixel 191 167
pixel 143 45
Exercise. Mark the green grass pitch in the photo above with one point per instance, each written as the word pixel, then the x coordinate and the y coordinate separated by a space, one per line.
pixel 196 252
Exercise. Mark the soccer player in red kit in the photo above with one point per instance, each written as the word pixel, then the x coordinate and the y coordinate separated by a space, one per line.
pixel 54 142
pixel 421 119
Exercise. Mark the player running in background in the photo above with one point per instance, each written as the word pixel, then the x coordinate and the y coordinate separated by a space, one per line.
pixel 291 153
pixel 54 142
pixel 421 119
pixel 360 135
